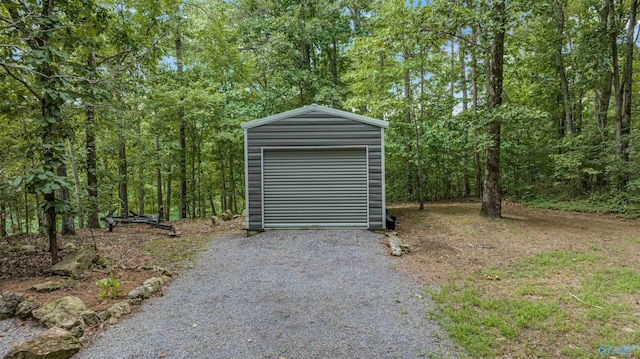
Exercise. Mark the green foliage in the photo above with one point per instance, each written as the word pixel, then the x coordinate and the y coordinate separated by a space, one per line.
pixel 109 287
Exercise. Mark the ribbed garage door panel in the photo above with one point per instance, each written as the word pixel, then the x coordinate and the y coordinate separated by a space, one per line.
pixel 315 188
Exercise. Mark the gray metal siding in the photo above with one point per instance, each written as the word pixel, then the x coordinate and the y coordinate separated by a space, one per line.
pixel 314 130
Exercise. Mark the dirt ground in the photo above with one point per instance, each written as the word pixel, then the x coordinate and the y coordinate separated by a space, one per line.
pixel 451 238
pixel 132 252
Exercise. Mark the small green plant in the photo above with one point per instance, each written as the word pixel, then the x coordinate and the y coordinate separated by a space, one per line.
pixel 109 287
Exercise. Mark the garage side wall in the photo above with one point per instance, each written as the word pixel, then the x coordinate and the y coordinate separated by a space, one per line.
pixel 314 129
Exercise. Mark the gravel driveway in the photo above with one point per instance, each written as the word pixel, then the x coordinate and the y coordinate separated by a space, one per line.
pixel 292 294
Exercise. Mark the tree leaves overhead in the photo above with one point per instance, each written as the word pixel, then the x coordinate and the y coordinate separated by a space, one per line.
pixel 412 63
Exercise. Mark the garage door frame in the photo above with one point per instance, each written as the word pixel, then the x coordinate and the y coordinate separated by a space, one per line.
pixel 311 148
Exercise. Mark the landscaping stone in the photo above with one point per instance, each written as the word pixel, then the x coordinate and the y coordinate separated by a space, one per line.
pixel 75 263
pixel 9 304
pixel 153 284
pixel 48 286
pixel 119 309
pixel 141 292
pixel 55 343
pixel 25 308
pixel 68 313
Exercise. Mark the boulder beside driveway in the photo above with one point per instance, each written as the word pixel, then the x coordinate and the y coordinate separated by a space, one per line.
pixel 74 264
pixel 55 343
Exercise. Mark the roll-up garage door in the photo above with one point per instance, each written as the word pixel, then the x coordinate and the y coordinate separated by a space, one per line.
pixel 315 188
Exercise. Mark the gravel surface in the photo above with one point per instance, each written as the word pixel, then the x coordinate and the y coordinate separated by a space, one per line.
pixel 12 334
pixel 292 294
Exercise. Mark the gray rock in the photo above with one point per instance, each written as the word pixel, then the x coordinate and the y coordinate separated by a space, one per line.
pixel 136 301
pixel 153 284
pixel 215 220
pixel 25 308
pixel 55 343
pixel 48 286
pixel 119 309
pixel 75 263
pixel 140 292
pixel 65 312
pixel 9 304
pixel 90 318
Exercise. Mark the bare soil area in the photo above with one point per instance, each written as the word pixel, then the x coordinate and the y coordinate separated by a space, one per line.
pixel 131 250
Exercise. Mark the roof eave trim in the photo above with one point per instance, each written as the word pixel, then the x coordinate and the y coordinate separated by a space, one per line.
pixel 312 108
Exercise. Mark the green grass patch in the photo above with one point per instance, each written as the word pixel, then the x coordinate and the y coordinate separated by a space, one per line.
pixel 632 240
pixel 578 296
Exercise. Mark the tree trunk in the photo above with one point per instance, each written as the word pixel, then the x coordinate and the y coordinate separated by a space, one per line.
pixel 3 219
pixel 474 108
pixel 491 199
pixel 158 178
pixel 76 182
pixel 560 71
pixel 223 183
pixel 232 197
pixel 408 95
pixel 617 88
pixel 140 169
pixel 123 193
pixel 181 135
pixel 465 98
pixel 192 187
pixel 627 81
pixel 68 227
pixel 168 207
pixel 92 178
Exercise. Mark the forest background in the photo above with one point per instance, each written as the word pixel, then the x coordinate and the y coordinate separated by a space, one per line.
pixel 118 106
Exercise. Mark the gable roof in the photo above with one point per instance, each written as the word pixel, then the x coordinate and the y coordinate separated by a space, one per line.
pixel 315 108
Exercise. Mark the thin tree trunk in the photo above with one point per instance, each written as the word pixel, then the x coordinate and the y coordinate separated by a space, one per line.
pixel 560 71
pixel 92 178
pixel 491 199
pixel 123 193
pixel 3 219
pixel 223 184
pixel 408 95
pixel 158 178
pixel 168 208
pixel 192 187
pixel 617 88
pixel 627 80
pixel 181 135
pixel 76 182
pixel 140 168
pixel 465 99
pixel 68 227
pixel 232 197
pixel 474 108
pixel 27 221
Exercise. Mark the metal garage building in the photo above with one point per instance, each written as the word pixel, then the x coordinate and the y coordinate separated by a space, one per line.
pixel 314 167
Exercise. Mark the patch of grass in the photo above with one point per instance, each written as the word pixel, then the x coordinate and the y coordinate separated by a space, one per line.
pixel 494 318
pixel 632 240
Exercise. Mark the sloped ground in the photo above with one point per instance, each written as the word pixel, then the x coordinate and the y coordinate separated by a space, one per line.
pixel 132 252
